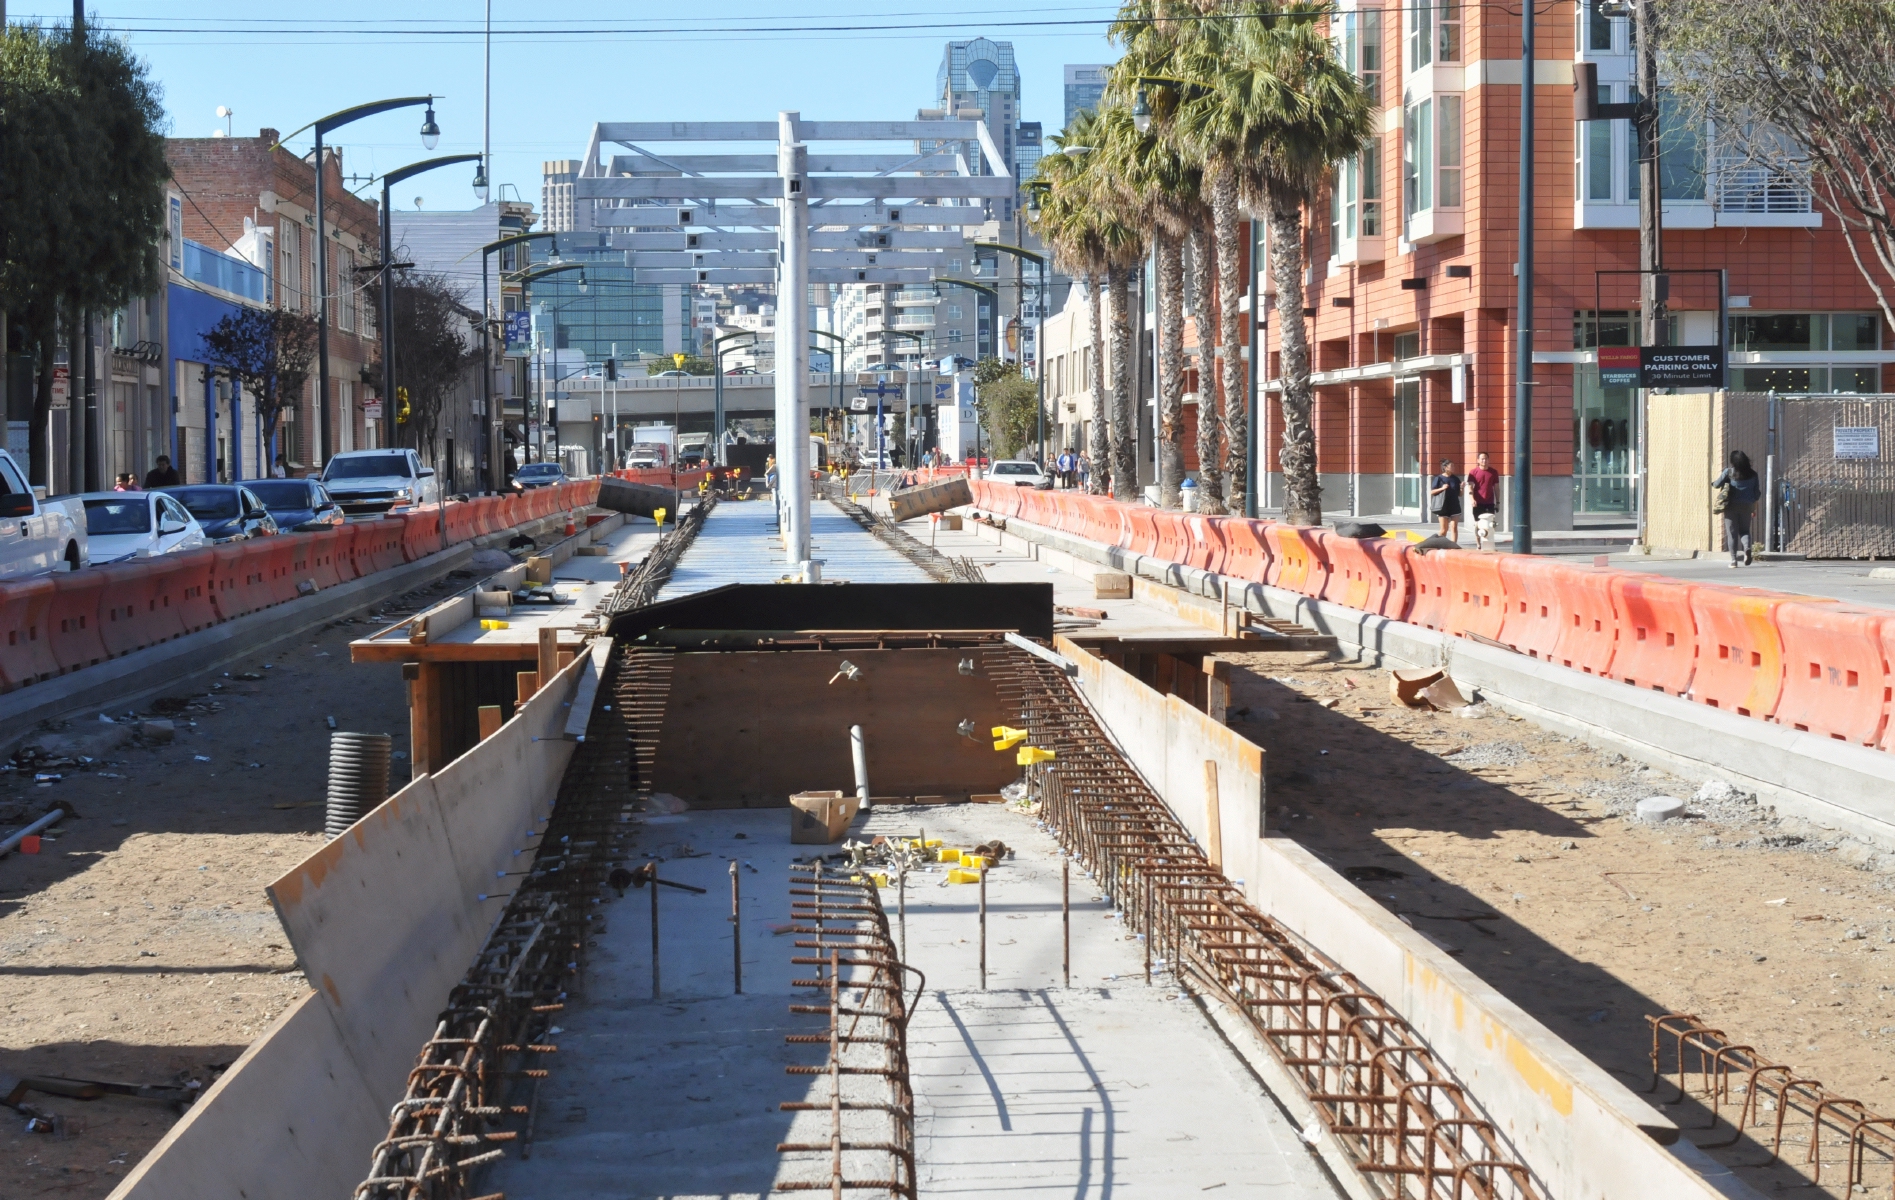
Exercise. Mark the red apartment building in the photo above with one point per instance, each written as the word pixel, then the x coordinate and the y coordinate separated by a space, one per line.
pixel 232 186
pixel 1411 295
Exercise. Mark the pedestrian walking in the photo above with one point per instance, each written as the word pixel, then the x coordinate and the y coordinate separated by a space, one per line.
pixel 1068 465
pixel 162 474
pixel 1483 488
pixel 1445 501
pixel 1735 493
pixel 1085 471
pixel 125 482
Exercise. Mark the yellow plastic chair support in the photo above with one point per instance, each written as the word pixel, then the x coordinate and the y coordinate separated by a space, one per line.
pixel 1006 737
pixel 1028 755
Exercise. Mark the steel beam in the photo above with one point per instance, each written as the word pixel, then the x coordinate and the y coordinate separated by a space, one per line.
pixel 819 187
pixel 762 216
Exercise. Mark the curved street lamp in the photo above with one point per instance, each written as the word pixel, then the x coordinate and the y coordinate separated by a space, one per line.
pixel 388 290
pixel 430 137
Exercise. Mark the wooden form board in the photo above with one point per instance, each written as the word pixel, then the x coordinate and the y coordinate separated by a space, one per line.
pixel 745 729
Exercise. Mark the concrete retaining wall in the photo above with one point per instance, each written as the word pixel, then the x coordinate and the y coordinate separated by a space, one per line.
pixel 1581 1132
pixel 384 921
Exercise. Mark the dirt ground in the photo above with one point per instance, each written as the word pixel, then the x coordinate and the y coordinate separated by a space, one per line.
pixel 1516 850
pixel 139 946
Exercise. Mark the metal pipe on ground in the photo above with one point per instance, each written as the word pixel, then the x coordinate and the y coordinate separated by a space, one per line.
pixel 46 822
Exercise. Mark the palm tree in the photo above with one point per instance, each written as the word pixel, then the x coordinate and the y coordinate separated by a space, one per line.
pixel 1063 217
pixel 1164 181
pixel 1272 109
pixel 1122 236
pixel 1160 185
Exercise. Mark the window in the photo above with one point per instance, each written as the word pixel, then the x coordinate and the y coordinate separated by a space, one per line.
pixel 345 289
pixel 954 312
pixel 175 227
pixel 1417 153
pixel 1612 327
pixel 1680 152
pixel 1420 35
pixel 954 335
pixel 1598 33
pixel 1806 331
pixel 1361 49
pixel 1448 114
pixel 1356 210
pixel 1448 31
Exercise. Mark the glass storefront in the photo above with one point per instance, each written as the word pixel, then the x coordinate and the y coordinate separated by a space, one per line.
pixel 1602 444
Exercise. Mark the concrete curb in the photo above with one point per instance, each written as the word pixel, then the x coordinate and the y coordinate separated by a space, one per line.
pixel 125 681
pixel 1848 789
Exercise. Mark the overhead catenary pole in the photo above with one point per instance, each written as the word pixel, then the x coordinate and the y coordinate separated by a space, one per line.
pixel 1651 234
pixel 1523 353
pixel 1253 371
pixel 792 338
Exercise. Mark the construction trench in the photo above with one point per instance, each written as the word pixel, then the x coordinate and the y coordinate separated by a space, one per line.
pixel 1149 992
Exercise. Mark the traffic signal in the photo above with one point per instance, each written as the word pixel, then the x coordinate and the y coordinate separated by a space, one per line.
pixel 612 369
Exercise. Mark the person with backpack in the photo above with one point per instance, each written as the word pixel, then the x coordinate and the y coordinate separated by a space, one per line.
pixel 1445 501
pixel 1735 493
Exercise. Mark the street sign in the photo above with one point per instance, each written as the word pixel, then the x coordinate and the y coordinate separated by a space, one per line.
pixel 1619 366
pixel 519 327
pixel 1858 441
pixel 1682 366
pixel 372 409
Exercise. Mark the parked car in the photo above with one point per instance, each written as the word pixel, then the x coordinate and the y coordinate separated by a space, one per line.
pixel 377 482
pixel 37 536
pixel 539 475
pixel 122 525
pixel 1019 472
pixel 298 505
pixel 228 512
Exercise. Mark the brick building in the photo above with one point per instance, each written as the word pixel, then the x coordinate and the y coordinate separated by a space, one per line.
pixel 1411 300
pixel 255 200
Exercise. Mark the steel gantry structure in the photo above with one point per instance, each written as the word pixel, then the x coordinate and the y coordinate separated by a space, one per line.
pixel 815 208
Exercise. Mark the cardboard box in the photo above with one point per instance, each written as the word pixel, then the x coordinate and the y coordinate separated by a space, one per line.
pixel 951 521
pixel 1111 585
pixel 820 818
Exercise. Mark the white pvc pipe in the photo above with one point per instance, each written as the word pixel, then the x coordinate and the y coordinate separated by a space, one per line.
pixel 860 753
pixel 59 814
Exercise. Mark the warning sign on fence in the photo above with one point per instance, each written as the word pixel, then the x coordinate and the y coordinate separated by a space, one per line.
pixel 1858 441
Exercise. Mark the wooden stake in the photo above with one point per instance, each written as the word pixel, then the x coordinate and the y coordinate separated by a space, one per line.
pixel 490 720
pixel 983 929
pixel 1213 818
pixel 736 931
pixel 549 654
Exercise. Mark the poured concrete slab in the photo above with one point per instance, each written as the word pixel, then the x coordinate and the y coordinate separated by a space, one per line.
pixel 1108 1088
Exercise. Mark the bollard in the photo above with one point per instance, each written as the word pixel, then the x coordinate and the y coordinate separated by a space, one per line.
pixel 983 929
pixel 736 932
pixel 859 752
pixel 1066 920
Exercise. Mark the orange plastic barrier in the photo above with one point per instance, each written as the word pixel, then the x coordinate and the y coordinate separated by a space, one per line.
pixel 278 556
pixel 1205 545
pixel 383 540
pixel 1173 536
pixel 1477 596
pixel 461 523
pixel 73 620
pixel 1740 652
pixel 1297 564
pixel 26 647
pixel 1589 640
pixel 174 599
pixel 1248 555
pixel 239 583
pixel 1835 670
pixel 1144 522
pixel 323 557
pixel 1535 611
pixel 1428 606
pixel 124 623
pixel 1658 635
pixel 421 535
pixel 1365 573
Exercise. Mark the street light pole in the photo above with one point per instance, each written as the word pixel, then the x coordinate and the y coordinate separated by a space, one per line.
pixel 495 466
pixel 430 137
pixel 1523 366
pixel 388 279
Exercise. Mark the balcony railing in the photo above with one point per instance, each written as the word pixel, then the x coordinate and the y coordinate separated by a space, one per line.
pixel 1753 189
pixel 917 297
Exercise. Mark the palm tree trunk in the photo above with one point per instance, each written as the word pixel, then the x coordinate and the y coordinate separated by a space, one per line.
pixel 1303 495
pixel 46 339
pixel 1096 447
pixel 1230 366
pixel 1210 431
pixel 1170 251
pixel 1124 430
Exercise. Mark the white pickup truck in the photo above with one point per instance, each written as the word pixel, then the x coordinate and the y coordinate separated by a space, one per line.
pixel 37 536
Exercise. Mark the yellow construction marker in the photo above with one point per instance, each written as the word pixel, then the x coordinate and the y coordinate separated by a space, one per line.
pixel 1028 755
pixel 948 855
pixel 1006 737
pixel 495 625
pixel 959 876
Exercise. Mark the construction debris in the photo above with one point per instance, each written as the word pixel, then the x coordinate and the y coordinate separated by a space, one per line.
pixel 1405 687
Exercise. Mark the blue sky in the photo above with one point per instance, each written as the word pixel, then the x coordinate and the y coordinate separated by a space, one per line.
pixel 623 61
